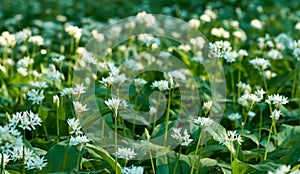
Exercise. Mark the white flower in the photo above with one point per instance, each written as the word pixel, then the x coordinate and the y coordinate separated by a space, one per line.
pixel 23 35
pixel 260 93
pixel 56 100
pixel 139 82
pixel 161 85
pixel 115 103
pixel 269 74
pixel 184 139
pixel 219 49
pixel 75 126
pixel 194 23
pixel 297 26
pixel 275 114
pixel 207 106
pixel 251 114
pixel 275 54
pixel 246 88
pixel 125 153
pixel 73 31
pixel 78 140
pixel 220 32
pixel 36 40
pixel 133 170
pixel 152 110
pixel 36 163
pixel 231 56
pixel 79 108
pixel 256 24
pixel 66 91
pixel 185 48
pixel 281 170
pixel 25 120
pixel 231 136
pixel 277 100
pixel 89 59
pixel 55 75
pixel 36 96
pixel 203 121
pixel 249 99
pixel 147 19
pixel 25 62
pixel 176 74
pixel 234 116
pixel 79 89
pixel 39 84
pixel 59 59
pixel 198 42
pixel 243 53
pixel 260 63
pixel 7 39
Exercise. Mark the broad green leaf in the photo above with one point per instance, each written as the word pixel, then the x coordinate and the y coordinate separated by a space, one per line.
pixel 61 158
pixel 240 168
pixel 288 135
pixel 100 153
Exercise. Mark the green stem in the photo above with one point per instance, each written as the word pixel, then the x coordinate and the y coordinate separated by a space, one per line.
pixel 151 159
pixel 155 115
pixel 116 144
pixel 199 157
pixel 260 127
pixel 66 155
pixel 57 125
pixel 72 45
pixel 239 78
pixel 134 121
pixel 167 117
pixel 295 81
pixel 195 154
pixel 233 89
pixel 23 161
pixel 269 137
pixel 177 160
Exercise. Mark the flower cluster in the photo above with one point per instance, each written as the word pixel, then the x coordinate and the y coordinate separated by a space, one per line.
pixel 184 139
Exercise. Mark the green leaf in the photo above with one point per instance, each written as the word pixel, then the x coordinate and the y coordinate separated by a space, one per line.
pixel 100 153
pixel 240 168
pixel 288 135
pixel 266 166
pixel 59 154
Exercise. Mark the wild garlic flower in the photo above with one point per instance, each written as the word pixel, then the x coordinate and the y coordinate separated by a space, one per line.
pixel 256 24
pixel 194 23
pixel 74 124
pixel 161 85
pixel 220 32
pixel 125 153
pixel 207 106
pixel 78 140
pixel 219 49
pixel 35 95
pixel 248 100
pixel 40 85
pixel 55 75
pixel 176 74
pixel 36 162
pixel 89 59
pixel 147 19
pixel 79 108
pixel 133 170
pixel 25 62
pixel 23 35
pixel 7 39
pixel 55 99
pixel 229 139
pixel 79 89
pixel 73 31
pixel 203 122
pixel 139 82
pixel 281 170
pixel 275 114
pixel 115 103
pixel 260 63
pixel 184 139
pixel 66 91
pixel 25 120
pixel 234 116
pixel 36 40
pixel 59 59
pixel 231 56
pixel 277 100
pixel 245 88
